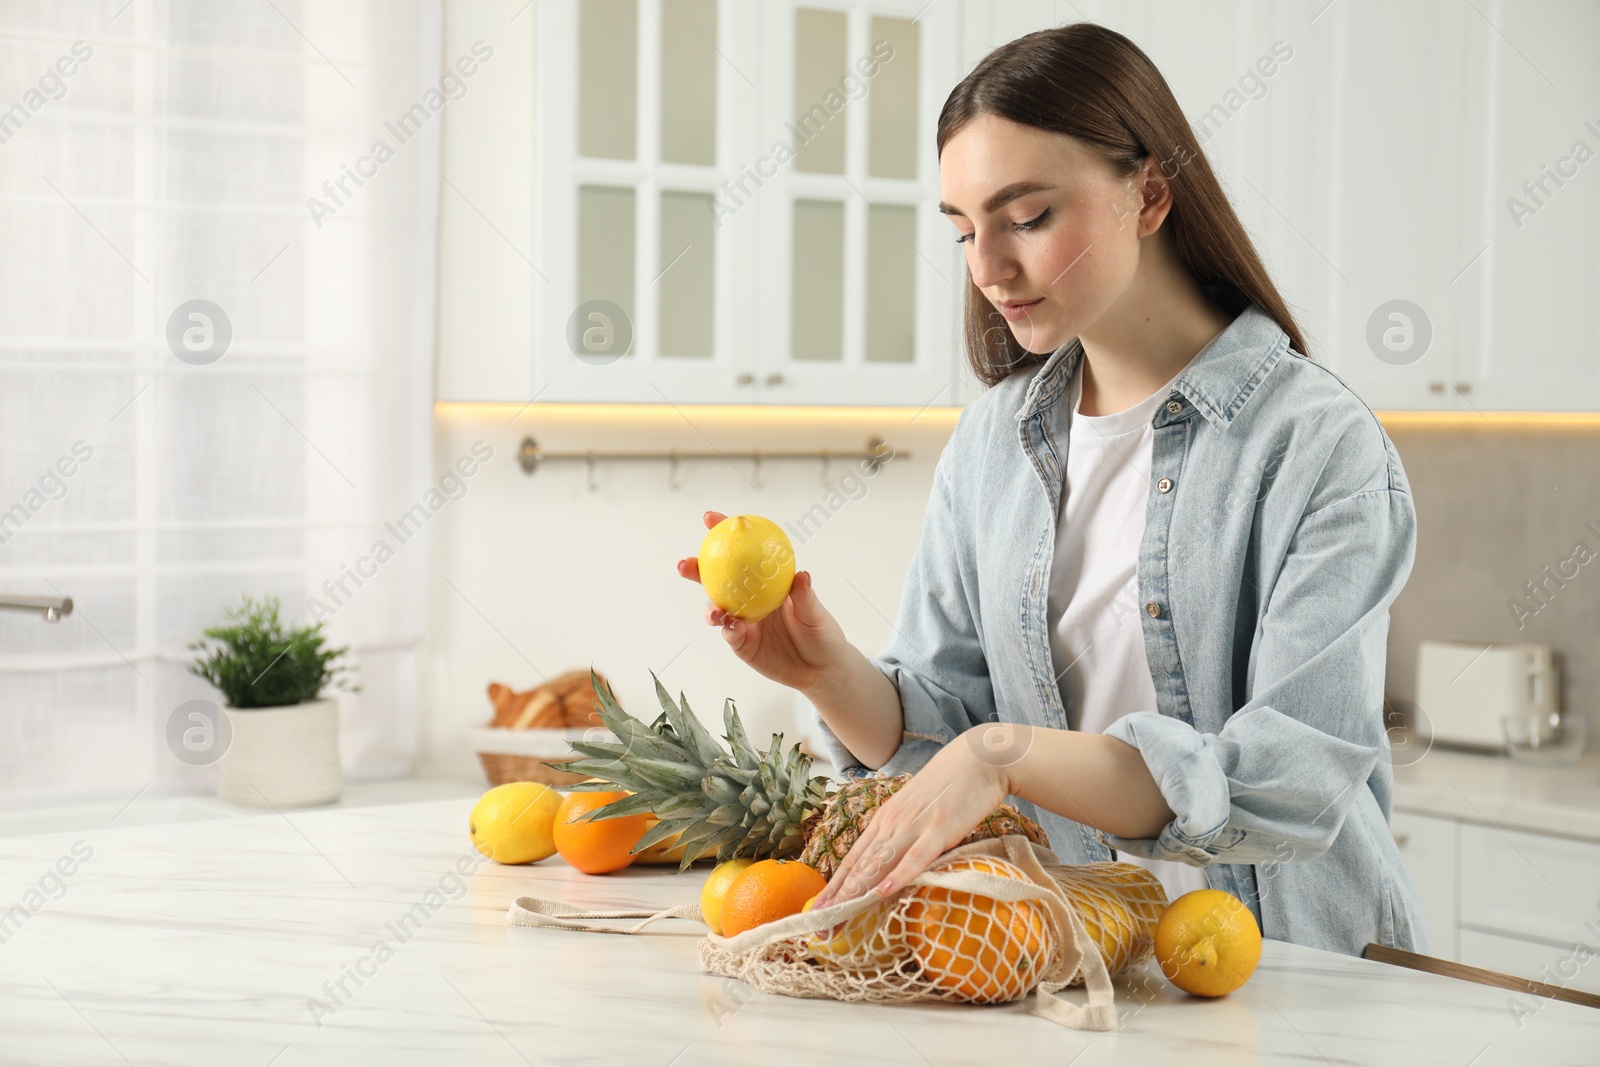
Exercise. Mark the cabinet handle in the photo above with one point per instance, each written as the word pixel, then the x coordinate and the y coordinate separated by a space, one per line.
pixel 1435 387
pixel 744 378
pixel 1463 388
pixel 775 378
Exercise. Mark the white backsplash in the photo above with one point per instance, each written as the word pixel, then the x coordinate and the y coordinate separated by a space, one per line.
pixel 535 575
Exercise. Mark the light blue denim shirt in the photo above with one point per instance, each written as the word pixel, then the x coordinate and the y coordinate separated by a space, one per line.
pixel 1279 528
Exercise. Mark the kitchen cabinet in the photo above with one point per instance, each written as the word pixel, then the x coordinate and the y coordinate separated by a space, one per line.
pixel 1507 861
pixel 1515 902
pixel 1402 317
pixel 1557 965
pixel 1531 885
pixel 1562 965
pixel 1422 180
pixel 859 285
pixel 1539 160
pixel 1376 170
pixel 733 203
pixel 1431 851
pixel 1470 203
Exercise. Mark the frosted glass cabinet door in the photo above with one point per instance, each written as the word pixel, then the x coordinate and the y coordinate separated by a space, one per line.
pixel 645 114
pixel 859 297
pixel 732 202
pixel 736 202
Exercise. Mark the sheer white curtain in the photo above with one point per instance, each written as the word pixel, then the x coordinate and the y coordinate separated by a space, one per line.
pixel 156 153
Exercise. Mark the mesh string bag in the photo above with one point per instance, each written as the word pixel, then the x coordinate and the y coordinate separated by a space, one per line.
pixel 1120 904
pixel 989 922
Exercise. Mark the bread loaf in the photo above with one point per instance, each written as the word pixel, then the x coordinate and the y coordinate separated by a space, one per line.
pixel 566 701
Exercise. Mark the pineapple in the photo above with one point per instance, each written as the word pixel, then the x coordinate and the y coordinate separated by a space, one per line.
pixel 765 805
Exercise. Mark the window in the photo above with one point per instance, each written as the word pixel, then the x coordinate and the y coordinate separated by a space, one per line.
pixel 179 163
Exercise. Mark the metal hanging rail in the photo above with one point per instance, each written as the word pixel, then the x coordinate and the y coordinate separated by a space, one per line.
pixel 51 608
pixel 530 455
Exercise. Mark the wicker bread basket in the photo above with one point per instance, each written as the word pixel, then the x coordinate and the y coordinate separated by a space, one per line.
pixel 521 755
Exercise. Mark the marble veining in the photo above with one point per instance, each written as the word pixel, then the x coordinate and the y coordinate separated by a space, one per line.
pixel 256 941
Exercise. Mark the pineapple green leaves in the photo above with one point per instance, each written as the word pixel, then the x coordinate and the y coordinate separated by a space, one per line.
pixel 724 803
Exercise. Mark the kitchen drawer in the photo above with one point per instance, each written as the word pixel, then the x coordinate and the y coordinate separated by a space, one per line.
pixel 1569 967
pixel 1530 885
pixel 1430 848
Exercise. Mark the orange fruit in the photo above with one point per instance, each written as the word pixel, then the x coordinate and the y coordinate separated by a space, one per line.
pixel 983 950
pixel 662 852
pixel 1207 943
pixel 768 890
pixel 597 846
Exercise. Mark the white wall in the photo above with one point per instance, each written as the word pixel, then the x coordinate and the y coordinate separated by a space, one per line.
pixel 535 575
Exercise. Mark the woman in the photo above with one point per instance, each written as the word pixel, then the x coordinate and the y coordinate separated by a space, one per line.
pixel 1151 596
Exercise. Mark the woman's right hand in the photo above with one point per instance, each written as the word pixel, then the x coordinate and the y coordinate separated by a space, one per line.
pixel 799 645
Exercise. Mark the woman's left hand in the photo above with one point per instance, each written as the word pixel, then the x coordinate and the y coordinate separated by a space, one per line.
pixel 928 816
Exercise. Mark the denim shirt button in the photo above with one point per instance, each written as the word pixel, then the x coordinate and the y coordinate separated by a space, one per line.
pixel 1153 610
pixel 1173 407
pixel 1164 485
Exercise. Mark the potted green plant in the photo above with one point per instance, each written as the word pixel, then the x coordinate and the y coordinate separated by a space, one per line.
pixel 284 744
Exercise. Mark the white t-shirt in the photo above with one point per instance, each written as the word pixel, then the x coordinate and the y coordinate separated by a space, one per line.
pixel 1096 633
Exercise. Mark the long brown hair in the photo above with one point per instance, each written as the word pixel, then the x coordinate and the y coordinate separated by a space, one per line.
pixel 1099 87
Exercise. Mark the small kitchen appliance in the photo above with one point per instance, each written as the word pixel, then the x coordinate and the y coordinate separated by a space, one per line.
pixel 1465 689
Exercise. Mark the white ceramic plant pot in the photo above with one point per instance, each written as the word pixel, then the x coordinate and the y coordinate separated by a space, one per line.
pixel 286 757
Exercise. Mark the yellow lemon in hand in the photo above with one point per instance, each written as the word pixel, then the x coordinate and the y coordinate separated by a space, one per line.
pixel 746 566
pixel 1207 943
pixel 716 888
pixel 515 822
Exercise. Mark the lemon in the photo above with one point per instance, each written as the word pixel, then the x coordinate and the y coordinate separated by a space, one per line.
pixel 1207 943
pixel 746 566
pixel 716 887
pixel 860 943
pixel 514 823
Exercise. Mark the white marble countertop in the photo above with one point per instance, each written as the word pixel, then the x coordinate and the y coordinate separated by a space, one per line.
pixel 1496 791
pixel 204 943
pixel 145 808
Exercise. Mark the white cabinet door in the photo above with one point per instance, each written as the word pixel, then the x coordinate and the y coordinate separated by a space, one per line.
pixel 1400 146
pixel 737 202
pixel 1568 966
pixel 646 112
pixel 1530 885
pixel 860 279
pixel 1463 195
pixel 1430 849
pixel 1536 294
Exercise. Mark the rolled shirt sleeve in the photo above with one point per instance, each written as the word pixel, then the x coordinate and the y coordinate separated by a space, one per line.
pixel 1287 766
pixel 935 655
